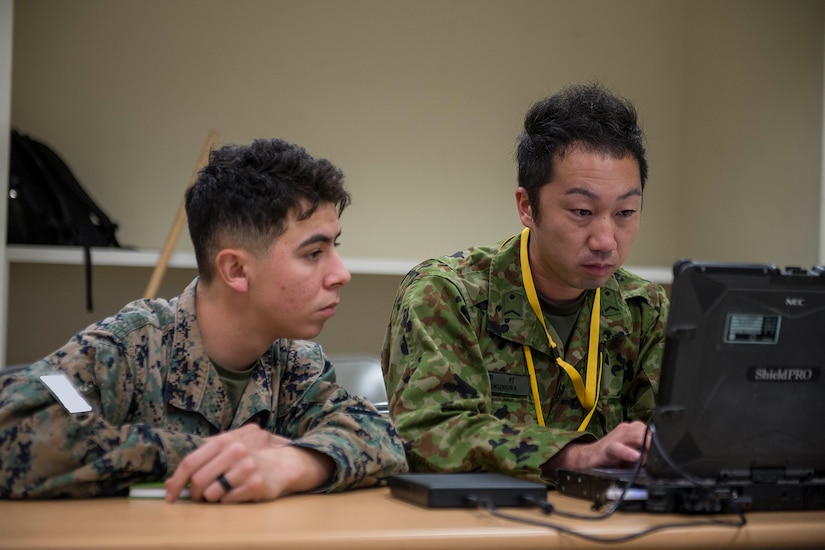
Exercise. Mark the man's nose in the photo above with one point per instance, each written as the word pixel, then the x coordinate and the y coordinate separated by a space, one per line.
pixel 339 274
pixel 603 235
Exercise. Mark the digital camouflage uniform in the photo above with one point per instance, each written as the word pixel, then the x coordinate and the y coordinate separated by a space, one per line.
pixel 453 354
pixel 155 397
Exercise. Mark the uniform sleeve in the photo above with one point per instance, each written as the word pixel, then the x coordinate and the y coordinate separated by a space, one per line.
pixel 46 452
pixel 318 414
pixel 653 313
pixel 439 390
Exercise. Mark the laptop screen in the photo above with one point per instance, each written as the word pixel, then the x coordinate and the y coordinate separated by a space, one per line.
pixel 742 392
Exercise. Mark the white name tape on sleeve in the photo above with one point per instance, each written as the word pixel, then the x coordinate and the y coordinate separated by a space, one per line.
pixel 62 388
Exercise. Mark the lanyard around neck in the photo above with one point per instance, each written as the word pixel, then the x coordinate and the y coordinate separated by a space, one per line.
pixel 586 392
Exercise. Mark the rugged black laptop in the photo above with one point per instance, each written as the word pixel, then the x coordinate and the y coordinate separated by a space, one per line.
pixel 740 415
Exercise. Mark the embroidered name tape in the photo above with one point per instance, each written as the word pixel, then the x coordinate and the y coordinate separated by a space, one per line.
pixel 509 384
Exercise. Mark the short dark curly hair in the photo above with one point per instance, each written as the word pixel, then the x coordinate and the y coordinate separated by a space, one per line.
pixel 243 197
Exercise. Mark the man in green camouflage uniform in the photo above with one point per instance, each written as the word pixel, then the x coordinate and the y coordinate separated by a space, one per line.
pixel 455 355
pixel 193 390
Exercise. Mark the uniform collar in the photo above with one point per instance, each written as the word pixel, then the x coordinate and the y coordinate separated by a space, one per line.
pixel 510 316
pixel 193 384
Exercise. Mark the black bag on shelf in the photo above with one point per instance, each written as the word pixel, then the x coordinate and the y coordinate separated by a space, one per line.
pixel 48 206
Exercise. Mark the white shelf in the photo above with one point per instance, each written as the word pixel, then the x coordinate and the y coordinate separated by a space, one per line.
pixel 148 258
pixel 70 255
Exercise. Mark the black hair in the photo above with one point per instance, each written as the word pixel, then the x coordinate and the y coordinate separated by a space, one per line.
pixel 244 196
pixel 581 115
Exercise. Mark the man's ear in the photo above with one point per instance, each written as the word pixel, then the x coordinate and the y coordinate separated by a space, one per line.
pixel 525 209
pixel 231 265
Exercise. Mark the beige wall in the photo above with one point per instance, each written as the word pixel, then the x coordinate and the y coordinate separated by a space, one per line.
pixel 751 148
pixel 420 103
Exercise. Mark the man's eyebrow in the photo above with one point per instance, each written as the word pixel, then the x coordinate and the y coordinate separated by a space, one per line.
pixel 591 195
pixel 632 193
pixel 581 191
pixel 319 238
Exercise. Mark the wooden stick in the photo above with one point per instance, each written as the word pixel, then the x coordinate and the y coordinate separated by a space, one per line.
pixel 177 226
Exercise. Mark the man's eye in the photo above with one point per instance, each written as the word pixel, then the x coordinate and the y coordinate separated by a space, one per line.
pixel 627 213
pixel 581 212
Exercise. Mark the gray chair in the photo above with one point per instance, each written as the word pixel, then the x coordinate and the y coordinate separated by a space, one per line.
pixel 361 375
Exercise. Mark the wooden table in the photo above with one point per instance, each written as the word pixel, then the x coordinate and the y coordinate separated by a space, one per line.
pixel 367 519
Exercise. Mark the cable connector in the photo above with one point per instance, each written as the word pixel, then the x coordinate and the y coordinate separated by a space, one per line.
pixel 475 501
pixel 542 504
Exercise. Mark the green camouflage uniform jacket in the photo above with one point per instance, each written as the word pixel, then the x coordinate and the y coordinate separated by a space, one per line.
pixel 155 397
pixel 454 351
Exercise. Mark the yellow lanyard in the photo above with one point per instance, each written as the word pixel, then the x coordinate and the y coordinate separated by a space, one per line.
pixel 587 394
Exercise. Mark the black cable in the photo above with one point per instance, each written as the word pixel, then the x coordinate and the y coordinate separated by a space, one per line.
pixel 672 465
pixel 705 486
pixel 492 510
pixel 490 507
pixel 548 508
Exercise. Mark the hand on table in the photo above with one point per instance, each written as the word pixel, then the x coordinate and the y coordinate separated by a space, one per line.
pixel 255 465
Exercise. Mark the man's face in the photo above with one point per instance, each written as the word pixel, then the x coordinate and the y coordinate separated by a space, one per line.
pixel 295 286
pixel 590 214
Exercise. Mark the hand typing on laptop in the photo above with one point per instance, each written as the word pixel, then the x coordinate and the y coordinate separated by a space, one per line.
pixel 620 448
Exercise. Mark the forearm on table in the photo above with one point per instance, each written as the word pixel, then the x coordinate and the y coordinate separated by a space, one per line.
pixel 362 443
pixel 58 455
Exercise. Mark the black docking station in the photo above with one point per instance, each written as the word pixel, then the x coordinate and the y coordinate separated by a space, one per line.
pixel 466 490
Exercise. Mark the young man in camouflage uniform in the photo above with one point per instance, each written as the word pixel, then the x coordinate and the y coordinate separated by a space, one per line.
pixel 193 390
pixel 475 381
